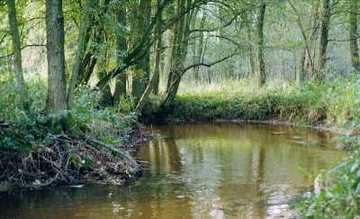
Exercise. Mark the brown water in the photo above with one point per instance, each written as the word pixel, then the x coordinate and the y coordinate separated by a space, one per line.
pixel 197 171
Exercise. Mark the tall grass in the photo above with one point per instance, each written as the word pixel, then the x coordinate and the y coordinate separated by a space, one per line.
pixel 330 103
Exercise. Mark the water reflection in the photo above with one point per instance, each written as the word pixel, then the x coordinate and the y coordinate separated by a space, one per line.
pixel 197 171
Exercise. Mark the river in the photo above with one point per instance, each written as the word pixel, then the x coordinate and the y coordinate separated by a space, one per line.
pixel 197 171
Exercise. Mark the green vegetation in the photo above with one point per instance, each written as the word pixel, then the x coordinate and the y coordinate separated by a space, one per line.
pixel 87 117
pixel 90 149
pixel 331 103
pixel 77 76
pixel 339 191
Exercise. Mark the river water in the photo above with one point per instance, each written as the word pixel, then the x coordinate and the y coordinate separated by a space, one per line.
pixel 197 171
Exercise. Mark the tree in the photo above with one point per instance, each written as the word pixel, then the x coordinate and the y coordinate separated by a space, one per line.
pixel 199 47
pixel 158 49
pixel 180 43
pixel 87 20
pixel 138 77
pixel 121 47
pixel 324 38
pixel 56 102
pixel 353 32
pixel 16 44
pixel 260 32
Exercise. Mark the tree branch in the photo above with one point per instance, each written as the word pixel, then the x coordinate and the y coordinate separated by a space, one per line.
pixel 209 64
pixel 24 47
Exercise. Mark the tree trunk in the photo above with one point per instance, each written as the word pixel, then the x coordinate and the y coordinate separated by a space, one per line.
pixel 16 44
pixel 140 73
pixel 300 76
pixel 158 32
pixel 324 34
pixel 260 30
pixel 106 98
pixel 200 49
pixel 179 44
pixel 169 39
pixel 83 40
pixel 179 52
pixel 306 59
pixel 87 66
pixel 354 47
pixel 251 50
pixel 121 47
pixel 56 103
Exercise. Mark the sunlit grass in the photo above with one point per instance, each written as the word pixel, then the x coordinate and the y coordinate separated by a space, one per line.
pixel 244 87
pixel 334 102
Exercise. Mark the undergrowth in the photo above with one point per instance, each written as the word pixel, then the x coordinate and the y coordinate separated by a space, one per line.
pixel 338 191
pixel 34 154
pixel 86 116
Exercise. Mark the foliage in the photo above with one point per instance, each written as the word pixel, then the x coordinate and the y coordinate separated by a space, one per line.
pixel 105 124
pixel 31 126
pixel 340 197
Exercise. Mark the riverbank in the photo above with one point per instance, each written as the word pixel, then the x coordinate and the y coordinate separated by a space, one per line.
pixel 93 148
pixel 254 174
pixel 331 104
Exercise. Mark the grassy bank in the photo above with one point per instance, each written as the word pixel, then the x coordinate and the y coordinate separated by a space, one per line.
pixel 332 103
pixel 34 153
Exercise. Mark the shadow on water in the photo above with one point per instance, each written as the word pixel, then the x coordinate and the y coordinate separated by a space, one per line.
pixel 197 171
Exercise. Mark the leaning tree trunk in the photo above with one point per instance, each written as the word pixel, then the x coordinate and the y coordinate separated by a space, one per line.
pixel 83 40
pixel 324 38
pixel 179 41
pixel 17 52
pixel 153 85
pixel 354 47
pixel 56 102
pixel 179 52
pixel 260 32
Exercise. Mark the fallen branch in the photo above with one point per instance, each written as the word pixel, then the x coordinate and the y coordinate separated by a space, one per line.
pixel 119 152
